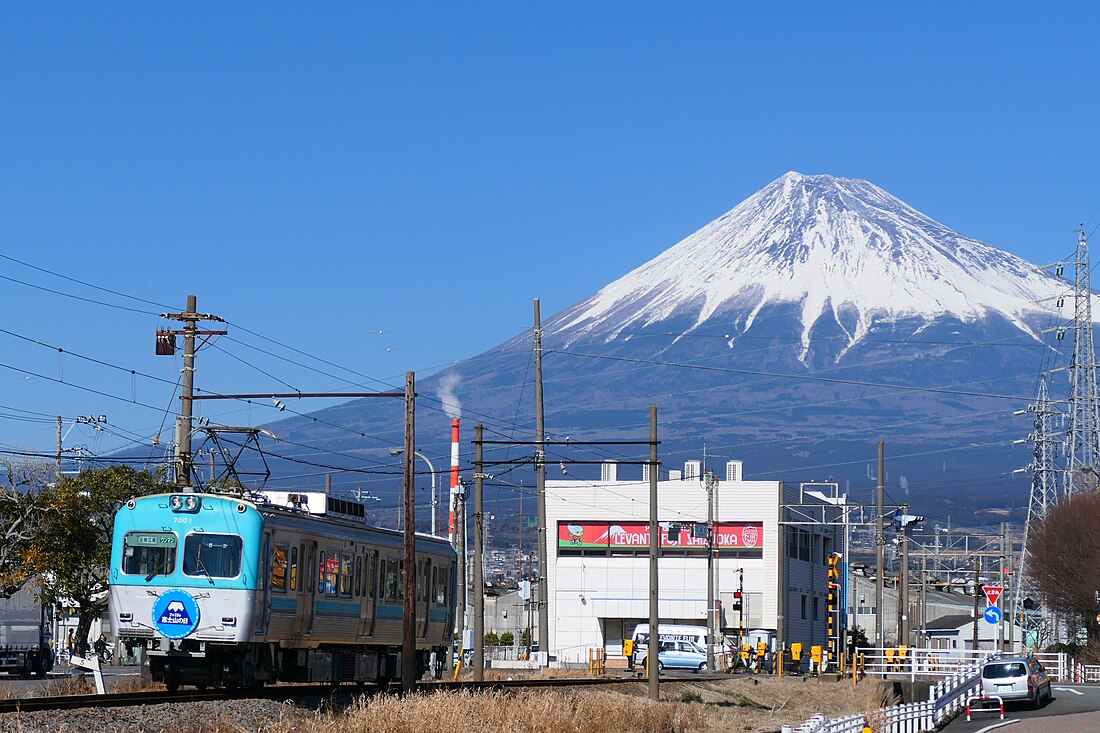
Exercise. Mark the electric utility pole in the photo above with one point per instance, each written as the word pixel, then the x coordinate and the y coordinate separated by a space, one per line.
pixel 479 556
pixel 166 346
pixel 710 570
pixel 408 641
pixel 880 541
pixel 540 479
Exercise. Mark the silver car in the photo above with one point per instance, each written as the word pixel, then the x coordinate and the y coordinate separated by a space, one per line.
pixel 1016 678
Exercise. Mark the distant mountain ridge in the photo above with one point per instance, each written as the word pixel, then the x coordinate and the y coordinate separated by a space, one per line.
pixel 815 318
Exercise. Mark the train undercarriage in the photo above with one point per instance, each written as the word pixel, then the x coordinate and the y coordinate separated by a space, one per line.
pixel 208 664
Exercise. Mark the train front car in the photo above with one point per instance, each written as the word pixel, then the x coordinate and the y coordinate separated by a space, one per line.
pixel 185 569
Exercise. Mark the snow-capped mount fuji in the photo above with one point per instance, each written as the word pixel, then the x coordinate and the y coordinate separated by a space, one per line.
pixel 814 319
pixel 840 248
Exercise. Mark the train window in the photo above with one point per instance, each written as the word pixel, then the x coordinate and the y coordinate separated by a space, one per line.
pixel 435 583
pixel 391 580
pixel 212 555
pixel 149 553
pixel 372 576
pixel 441 587
pixel 358 575
pixel 332 572
pixel 278 568
pixel 345 576
pixel 294 568
pixel 321 574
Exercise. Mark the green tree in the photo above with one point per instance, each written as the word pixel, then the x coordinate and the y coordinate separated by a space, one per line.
pixel 507 638
pixel 71 549
pixel 491 639
pixel 21 482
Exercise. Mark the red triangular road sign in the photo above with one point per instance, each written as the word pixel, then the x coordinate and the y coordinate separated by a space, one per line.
pixel 993 592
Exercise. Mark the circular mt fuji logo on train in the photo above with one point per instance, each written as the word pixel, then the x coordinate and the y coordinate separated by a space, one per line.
pixel 176 614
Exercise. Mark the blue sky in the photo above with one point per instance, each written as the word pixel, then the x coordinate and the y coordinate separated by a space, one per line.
pixel 388 186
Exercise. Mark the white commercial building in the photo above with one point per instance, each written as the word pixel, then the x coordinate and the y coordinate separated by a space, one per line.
pixel 598 560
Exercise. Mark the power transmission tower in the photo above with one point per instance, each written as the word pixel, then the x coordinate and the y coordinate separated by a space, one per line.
pixel 1083 438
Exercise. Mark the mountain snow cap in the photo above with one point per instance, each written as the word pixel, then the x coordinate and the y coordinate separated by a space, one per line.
pixel 830 245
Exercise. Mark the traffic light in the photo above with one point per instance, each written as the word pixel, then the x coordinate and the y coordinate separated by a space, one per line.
pixel 736 605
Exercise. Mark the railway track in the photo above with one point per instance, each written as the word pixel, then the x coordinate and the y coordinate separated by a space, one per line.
pixel 279 692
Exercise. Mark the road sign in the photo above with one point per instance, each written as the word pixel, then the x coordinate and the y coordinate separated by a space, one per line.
pixel 993 615
pixel 993 592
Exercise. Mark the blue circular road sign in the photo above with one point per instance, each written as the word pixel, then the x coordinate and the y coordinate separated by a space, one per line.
pixel 993 615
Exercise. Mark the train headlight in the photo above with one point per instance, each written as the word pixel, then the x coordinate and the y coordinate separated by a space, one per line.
pixel 181 503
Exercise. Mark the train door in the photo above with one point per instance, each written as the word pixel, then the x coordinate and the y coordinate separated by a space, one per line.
pixel 307 587
pixel 423 596
pixel 263 593
pixel 370 593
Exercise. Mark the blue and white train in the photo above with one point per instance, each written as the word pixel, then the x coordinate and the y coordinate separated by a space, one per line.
pixel 225 591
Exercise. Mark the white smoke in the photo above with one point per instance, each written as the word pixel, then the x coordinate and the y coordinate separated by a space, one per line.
pixel 446 394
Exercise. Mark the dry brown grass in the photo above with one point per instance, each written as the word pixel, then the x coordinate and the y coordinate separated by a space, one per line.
pixel 749 705
pixel 524 711
pixel 77 685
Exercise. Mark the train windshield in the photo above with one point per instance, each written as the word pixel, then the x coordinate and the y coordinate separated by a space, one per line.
pixel 212 555
pixel 149 553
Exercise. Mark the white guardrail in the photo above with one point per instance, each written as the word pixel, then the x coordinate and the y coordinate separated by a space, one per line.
pixel 960 672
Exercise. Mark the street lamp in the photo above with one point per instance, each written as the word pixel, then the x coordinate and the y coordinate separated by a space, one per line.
pixel 399 451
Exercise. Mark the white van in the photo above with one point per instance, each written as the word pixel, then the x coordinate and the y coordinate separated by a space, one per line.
pixel 672 632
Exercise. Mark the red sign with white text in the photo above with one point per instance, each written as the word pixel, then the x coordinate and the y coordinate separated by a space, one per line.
pixel 635 535
pixel 993 593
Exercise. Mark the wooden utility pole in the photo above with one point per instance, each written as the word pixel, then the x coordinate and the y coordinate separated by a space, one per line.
pixel 408 642
pixel 540 479
pixel 880 542
pixel 654 645
pixel 166 346
pixel 479 555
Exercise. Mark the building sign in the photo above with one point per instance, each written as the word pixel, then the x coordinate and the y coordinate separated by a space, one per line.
pixel 635 535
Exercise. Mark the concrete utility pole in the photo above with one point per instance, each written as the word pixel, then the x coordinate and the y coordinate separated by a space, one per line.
pixel 540 486
pixel 479 556
pixel 653 648
pixel 460 547
pixel 59 439
pixel 1001 625
pixel 903 596
pixel 880 541
pixel 711 611
pixel 408 644
pixel 977 592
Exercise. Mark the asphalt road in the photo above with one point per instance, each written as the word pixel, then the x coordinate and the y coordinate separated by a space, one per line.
pixel 1074 709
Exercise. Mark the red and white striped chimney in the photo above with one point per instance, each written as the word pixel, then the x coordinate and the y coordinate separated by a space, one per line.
pixel 454 478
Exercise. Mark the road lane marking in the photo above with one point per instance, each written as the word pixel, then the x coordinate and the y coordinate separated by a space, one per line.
pixel 1002 724
pixel 1069 689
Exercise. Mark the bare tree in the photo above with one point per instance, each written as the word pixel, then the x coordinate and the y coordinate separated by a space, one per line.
pixel 1065 560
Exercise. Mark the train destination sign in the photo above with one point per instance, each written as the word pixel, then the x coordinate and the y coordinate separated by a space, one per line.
pixel 635 535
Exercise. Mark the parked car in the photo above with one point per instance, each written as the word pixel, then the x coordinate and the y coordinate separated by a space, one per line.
pixel 1016 678
pixel 681 655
